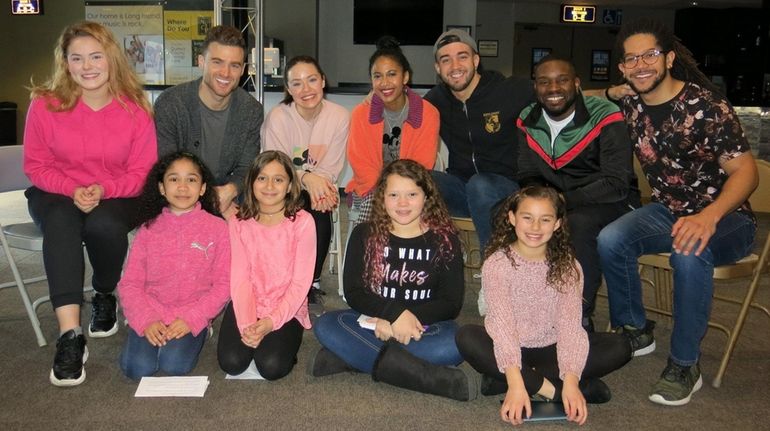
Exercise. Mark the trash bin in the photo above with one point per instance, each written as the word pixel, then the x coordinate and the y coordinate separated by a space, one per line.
pixel 8 123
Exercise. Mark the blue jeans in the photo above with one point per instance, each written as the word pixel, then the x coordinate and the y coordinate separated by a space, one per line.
pixel 648 230
pixel 178 357
pixel 340 332
pixel 475 199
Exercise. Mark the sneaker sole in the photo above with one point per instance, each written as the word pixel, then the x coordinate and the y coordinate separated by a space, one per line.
pixel 645 351
pixel 103 334
pixel 66 383
pixel 657 399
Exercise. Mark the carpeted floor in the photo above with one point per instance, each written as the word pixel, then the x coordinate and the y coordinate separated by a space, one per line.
pixel 349 401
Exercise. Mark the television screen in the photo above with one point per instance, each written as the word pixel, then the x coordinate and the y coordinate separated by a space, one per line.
pixel 412 22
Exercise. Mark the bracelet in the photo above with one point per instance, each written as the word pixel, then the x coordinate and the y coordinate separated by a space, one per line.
pixel 607 94
pixel 302 179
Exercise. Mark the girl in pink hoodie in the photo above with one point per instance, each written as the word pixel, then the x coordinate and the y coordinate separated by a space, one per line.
pixel 273 254
pixel 177 278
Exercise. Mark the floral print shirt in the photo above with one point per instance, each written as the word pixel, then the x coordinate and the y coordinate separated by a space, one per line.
pixel 681 143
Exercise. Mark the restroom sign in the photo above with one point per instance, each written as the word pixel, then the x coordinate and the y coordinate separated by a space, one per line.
pixel 578 14
pixel 26 7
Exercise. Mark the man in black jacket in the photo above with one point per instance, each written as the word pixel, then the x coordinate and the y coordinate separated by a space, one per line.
pixel 478 113
pixel 580 146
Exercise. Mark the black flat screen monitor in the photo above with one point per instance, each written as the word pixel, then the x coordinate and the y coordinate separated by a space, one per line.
pixel 412 22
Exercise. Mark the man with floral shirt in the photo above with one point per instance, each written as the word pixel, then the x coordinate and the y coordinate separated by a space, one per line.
pixel 700 168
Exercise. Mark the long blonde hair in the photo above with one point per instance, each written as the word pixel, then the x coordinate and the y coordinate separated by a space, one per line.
pixel 123 82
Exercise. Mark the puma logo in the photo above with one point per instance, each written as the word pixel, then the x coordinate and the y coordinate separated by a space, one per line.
pixel 202 248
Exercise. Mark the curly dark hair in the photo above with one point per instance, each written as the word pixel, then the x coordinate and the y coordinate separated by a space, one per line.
pixel 685 68
pixel 152 202
pixel 435 217
pixel 559 254
pixel 293 203
pixel 224 35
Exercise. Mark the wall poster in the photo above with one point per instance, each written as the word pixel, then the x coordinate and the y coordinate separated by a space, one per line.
pixel 162 45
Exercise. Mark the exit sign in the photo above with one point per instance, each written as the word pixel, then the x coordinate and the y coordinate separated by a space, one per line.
pixel 26 7
pixel 578 13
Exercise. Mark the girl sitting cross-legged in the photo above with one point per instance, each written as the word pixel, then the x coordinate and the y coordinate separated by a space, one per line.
pixel 532 343
pixel 404 270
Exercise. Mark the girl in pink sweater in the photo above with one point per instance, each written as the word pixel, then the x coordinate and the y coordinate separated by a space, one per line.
pixel 177 278
pixel 532 343
pixel 273 252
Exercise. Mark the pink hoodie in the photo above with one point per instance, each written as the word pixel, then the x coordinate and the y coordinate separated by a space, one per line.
pixel 114 147
pixel 179 267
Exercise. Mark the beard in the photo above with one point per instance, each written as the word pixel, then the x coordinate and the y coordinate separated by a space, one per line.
pixel 462 85
pixel 654 84
pixel 569 103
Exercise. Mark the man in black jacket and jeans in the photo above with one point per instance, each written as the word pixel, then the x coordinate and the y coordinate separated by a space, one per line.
pixel 580 146
pixel 478 113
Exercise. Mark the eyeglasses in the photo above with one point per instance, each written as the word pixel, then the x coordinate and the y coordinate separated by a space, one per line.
pixel 649 58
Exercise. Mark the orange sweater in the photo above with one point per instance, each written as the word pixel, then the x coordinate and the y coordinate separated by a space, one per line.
pixel 419 140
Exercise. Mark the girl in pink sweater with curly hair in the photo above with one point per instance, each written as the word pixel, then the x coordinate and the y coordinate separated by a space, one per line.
pixel 177 278
pixel 532 343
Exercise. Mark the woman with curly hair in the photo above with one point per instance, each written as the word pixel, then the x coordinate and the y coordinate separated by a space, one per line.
pixel 273 252
pixel 177 277
pixel 403 280
pixel 532 343
pixel 89 141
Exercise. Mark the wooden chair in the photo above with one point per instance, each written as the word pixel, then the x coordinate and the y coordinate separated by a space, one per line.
pixel 751 267
pixel 471 250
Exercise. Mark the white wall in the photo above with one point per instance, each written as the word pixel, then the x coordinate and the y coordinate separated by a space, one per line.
pixel 345 62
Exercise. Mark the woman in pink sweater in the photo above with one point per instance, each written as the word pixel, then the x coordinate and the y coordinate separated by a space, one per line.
pixel 273 252
pixel 532 343
pixel 89 142
pixel 177 278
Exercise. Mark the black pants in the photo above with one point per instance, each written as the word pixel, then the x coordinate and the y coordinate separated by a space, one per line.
pixel 585 223
pixel 274 357
pixel 606 353
pixel 323 234
pixel 104 231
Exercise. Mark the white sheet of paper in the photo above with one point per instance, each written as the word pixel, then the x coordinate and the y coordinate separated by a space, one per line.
pixel 251 373
pixel 182 386
pixel 363 321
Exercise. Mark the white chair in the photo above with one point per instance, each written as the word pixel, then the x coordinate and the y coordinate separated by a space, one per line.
pixel 21 236
pixel 335 249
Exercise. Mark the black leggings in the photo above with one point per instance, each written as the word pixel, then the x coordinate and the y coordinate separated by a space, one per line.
pixel 606 353
pixel 323 234
pixel 274 357
pixel 104 231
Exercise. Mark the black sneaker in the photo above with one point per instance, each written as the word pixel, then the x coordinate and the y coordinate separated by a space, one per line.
pixel 71 354
pixel 676 385
pixel 315 302
pixel 104 315
pixel 642 340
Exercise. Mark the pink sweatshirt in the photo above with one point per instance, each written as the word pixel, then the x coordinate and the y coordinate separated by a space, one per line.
pixel 272 269
pixel 317 146
pixel 179 267
pixel 114 147
pixel 524 311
